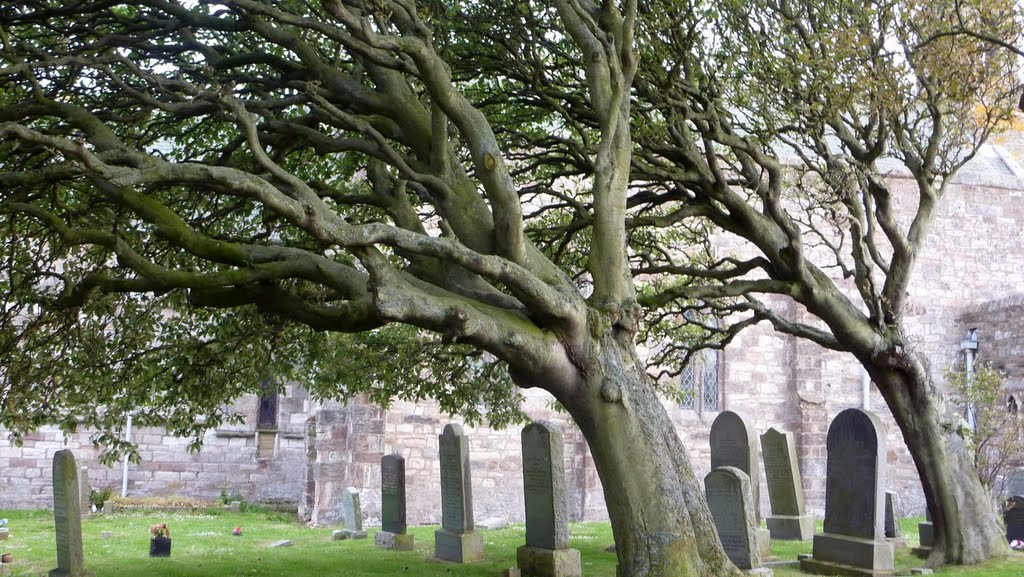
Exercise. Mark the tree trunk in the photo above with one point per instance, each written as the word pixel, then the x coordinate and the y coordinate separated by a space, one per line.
pixel 966 523
pixel 659 517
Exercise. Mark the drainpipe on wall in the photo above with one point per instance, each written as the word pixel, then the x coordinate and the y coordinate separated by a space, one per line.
pixel 124 468
pixel 865 379
pixel 865 389
pixel 969 346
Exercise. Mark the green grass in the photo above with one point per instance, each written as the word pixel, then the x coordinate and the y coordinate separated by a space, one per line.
pixel 204 547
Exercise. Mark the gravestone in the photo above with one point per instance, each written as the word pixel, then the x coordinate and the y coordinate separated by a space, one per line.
pixel 789 519
pixel 1013 517
pixel 892 519
pixel 85 504
pixel 547 552
pixel 1015 482
pixel 353 516
pixel 457 540
pixel 853 542
pixel 392 487
pixel 926 535
pixel 729 497
pixel 734 444
pixel 67 516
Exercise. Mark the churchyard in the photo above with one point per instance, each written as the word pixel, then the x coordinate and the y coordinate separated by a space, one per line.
pixel 863 531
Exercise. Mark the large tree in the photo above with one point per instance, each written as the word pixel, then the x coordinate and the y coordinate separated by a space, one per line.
pixel 195 193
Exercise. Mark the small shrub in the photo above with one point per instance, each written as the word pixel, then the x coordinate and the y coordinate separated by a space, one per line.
pixel 98 497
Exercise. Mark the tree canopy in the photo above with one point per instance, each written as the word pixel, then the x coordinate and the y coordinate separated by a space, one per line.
pixel 405 198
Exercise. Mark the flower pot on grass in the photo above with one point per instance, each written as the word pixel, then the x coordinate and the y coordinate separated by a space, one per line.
pixel 160 544
pixel 160 547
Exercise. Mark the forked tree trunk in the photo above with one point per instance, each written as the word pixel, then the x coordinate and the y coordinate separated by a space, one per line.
pixel 659 517
pixel 965 520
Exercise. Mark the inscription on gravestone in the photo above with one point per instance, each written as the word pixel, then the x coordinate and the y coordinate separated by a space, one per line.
pixel 392 483
pixel 728 495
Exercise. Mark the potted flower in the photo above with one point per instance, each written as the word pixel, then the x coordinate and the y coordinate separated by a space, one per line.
pixel 160 544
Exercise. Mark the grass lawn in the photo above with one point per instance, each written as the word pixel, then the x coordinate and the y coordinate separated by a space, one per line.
pixel 204 547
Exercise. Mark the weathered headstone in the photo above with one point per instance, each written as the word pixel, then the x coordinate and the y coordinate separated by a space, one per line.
pixel 1013 517
pixel 729 497
pixel 853 542
pixel 457 540
pixel 85 503
pixel 893 515
pixel 734 444
pixel 547 552
pixel 67 516
pixel 789 519
pixel 353 516
pixel 392 486
pixel 926 536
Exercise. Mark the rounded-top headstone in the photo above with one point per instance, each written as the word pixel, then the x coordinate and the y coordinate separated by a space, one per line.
pixel 734 444
pixel 855 475
pixel 729 498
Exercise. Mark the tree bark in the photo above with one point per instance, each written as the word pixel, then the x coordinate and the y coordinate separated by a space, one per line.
pixel 660 520
pixel 965 520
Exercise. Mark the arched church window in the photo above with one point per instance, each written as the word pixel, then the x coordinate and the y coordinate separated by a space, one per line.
pixel 700 382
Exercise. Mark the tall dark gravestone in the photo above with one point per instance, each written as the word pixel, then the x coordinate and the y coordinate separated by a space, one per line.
pixel 853 542
pixel 547 552
pixel 734 444
pixel 457 540
pixel 789 520
pixel 67 517
pixel 392 504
